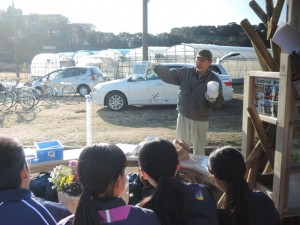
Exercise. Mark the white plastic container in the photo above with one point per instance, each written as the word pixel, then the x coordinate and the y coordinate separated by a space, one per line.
pixel 212 89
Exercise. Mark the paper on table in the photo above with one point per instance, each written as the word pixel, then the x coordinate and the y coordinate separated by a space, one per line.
pixel 287 38
pixel 30 152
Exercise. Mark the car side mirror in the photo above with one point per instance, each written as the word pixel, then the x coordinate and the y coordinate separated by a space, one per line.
pixel 134 78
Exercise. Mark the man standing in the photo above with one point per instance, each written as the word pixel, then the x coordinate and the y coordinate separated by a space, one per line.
pixel 17 205
pixel 195 101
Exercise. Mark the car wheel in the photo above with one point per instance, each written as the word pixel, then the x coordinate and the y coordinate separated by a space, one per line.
pixel 116 101
pixel 83 90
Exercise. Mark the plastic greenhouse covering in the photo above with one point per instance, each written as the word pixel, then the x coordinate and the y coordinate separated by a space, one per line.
pixel 118 63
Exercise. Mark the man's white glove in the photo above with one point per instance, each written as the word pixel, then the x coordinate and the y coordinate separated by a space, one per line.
pixel 151 66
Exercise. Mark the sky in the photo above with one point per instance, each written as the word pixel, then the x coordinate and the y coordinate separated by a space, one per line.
pixel 117 16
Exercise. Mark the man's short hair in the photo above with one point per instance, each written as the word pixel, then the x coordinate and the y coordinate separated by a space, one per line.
pixel 12 160
pixel 205 54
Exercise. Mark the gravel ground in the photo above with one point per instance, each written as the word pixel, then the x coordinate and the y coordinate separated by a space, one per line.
pixel 66 122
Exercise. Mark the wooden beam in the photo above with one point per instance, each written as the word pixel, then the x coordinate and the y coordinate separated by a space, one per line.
pixel 257 42
pixel 256 152
pixel 261 61
pixel 268 168
pixel 269 8
pixel 276 51
pixel 259 12
pixel 273 22
pixel 257 161
pixel 256 170
pixel 257 123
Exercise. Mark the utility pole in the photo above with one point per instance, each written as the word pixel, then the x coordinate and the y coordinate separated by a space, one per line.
pixel 145 30
pixel 14 39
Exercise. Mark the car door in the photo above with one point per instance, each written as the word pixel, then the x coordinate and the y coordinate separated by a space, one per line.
pixel 171 93
pixel 156 88
pixel 145 91
pixel 55 78
pixel 171 90
pixel 73 76
pixel 46 80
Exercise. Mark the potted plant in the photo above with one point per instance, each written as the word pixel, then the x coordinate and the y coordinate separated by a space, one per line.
pixel 65 181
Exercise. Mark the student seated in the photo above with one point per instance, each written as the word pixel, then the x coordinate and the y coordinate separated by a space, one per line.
pixel 175 201
pixel 101 171
pixel 17 203
pixel 241 205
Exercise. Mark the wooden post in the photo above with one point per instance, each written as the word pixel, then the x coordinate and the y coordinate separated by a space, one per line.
pixel 256 170
pixel 259 12
pixel 272 26
pixel 257 42
pixel 269 8
pixel 261 134
pixel 276 51
pixel 256 161
pixel 262 62
pixel 256 152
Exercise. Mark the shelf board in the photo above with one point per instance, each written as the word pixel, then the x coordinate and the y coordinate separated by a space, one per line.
pixel 265 74
pixel 268 119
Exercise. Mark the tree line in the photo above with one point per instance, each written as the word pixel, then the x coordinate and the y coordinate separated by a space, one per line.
pixel 24 36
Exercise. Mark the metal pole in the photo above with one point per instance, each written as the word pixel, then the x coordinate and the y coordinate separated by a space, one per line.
pixel 145 30
pixel 88 120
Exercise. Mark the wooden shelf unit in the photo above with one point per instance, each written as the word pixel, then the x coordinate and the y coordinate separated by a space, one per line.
pixel 284 187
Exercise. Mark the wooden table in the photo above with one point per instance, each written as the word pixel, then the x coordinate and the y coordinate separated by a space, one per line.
pixel 71 154
pixel 194 168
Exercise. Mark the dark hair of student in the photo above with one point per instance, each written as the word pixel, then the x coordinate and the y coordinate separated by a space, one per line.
pixel 99 166
pixel 227 164
pixel 159 159
pixel 12 160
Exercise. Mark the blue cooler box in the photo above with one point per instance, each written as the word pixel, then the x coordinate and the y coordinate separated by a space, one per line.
pixel 49 150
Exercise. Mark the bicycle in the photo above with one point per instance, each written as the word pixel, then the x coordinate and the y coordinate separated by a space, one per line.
pixel 66 91
pixel 12 95
pixel 50 93
pixel 6 100
pixel 46 93
pixel 34 91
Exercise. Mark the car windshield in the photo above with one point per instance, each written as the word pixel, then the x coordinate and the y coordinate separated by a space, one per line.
pixel 55 75
pixel 96 71
pixel 139 69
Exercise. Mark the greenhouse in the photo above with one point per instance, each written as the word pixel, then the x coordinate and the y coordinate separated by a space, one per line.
pixel 236 66
pixel 110 61
pixel 118 63
pixel 44 63
pixel 136 55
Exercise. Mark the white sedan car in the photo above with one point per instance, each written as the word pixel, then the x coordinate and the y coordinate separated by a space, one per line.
pixel 144 87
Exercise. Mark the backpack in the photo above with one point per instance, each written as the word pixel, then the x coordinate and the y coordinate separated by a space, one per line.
pixel 138 188
pixel 41 187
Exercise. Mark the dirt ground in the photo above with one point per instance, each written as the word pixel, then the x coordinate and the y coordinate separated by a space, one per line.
pixel 67 123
